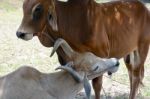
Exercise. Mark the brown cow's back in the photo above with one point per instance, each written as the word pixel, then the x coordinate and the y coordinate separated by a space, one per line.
pixel 124 24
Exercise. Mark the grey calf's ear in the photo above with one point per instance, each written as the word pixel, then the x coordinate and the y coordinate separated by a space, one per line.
pixel 87 87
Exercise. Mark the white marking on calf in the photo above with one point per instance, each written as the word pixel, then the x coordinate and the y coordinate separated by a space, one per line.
pixel 134 58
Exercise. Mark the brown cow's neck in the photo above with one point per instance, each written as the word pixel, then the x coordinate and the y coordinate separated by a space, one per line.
pixel 62 58
pixel 73 16
pixel 71 29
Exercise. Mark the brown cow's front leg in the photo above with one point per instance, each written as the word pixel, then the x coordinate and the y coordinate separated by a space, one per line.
pixel 62 58
pixel 97 85
pixel 136 68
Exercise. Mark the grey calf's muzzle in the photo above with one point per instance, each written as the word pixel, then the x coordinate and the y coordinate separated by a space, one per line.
pixel 107 65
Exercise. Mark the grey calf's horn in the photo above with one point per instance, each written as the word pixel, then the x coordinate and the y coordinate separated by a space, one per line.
pixel 65 46
pixel 56 45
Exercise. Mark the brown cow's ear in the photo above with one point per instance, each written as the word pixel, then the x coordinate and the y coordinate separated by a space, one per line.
pixel 52 18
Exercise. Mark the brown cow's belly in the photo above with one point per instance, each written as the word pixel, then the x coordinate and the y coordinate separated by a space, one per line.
pixel 121 53
pixel 116 53
pixel 121 49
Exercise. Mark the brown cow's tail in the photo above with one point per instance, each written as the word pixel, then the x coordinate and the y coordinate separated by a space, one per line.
pixel 65 46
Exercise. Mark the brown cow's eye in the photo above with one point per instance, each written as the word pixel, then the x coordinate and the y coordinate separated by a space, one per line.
pixel 37 12
pixel 50 17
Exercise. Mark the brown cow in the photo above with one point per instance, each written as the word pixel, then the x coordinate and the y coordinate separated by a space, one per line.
pixel 114 29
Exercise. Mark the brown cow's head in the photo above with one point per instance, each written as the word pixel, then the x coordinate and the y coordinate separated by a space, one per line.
pixel 39 17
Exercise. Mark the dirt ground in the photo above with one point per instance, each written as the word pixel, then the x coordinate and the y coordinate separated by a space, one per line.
pixel 15 53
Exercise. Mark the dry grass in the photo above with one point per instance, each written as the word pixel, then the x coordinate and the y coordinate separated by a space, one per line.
pixel 15 53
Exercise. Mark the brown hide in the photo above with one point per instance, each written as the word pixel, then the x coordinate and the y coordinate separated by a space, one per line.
pixel 109 29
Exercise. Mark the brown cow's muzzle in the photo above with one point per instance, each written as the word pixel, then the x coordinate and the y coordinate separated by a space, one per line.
pixel 20 35
pixel 25 36
pixel 25 32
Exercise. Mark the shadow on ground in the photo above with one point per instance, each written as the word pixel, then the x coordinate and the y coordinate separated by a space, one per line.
pixel 118 96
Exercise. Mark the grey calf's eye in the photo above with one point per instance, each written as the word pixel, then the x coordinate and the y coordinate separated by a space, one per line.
pixel 95 69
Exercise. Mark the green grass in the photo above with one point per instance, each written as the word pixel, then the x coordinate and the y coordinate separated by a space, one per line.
pixel 8 5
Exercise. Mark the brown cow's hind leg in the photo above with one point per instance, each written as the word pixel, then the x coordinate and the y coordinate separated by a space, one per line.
pixel 135 66
pixel 129 67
